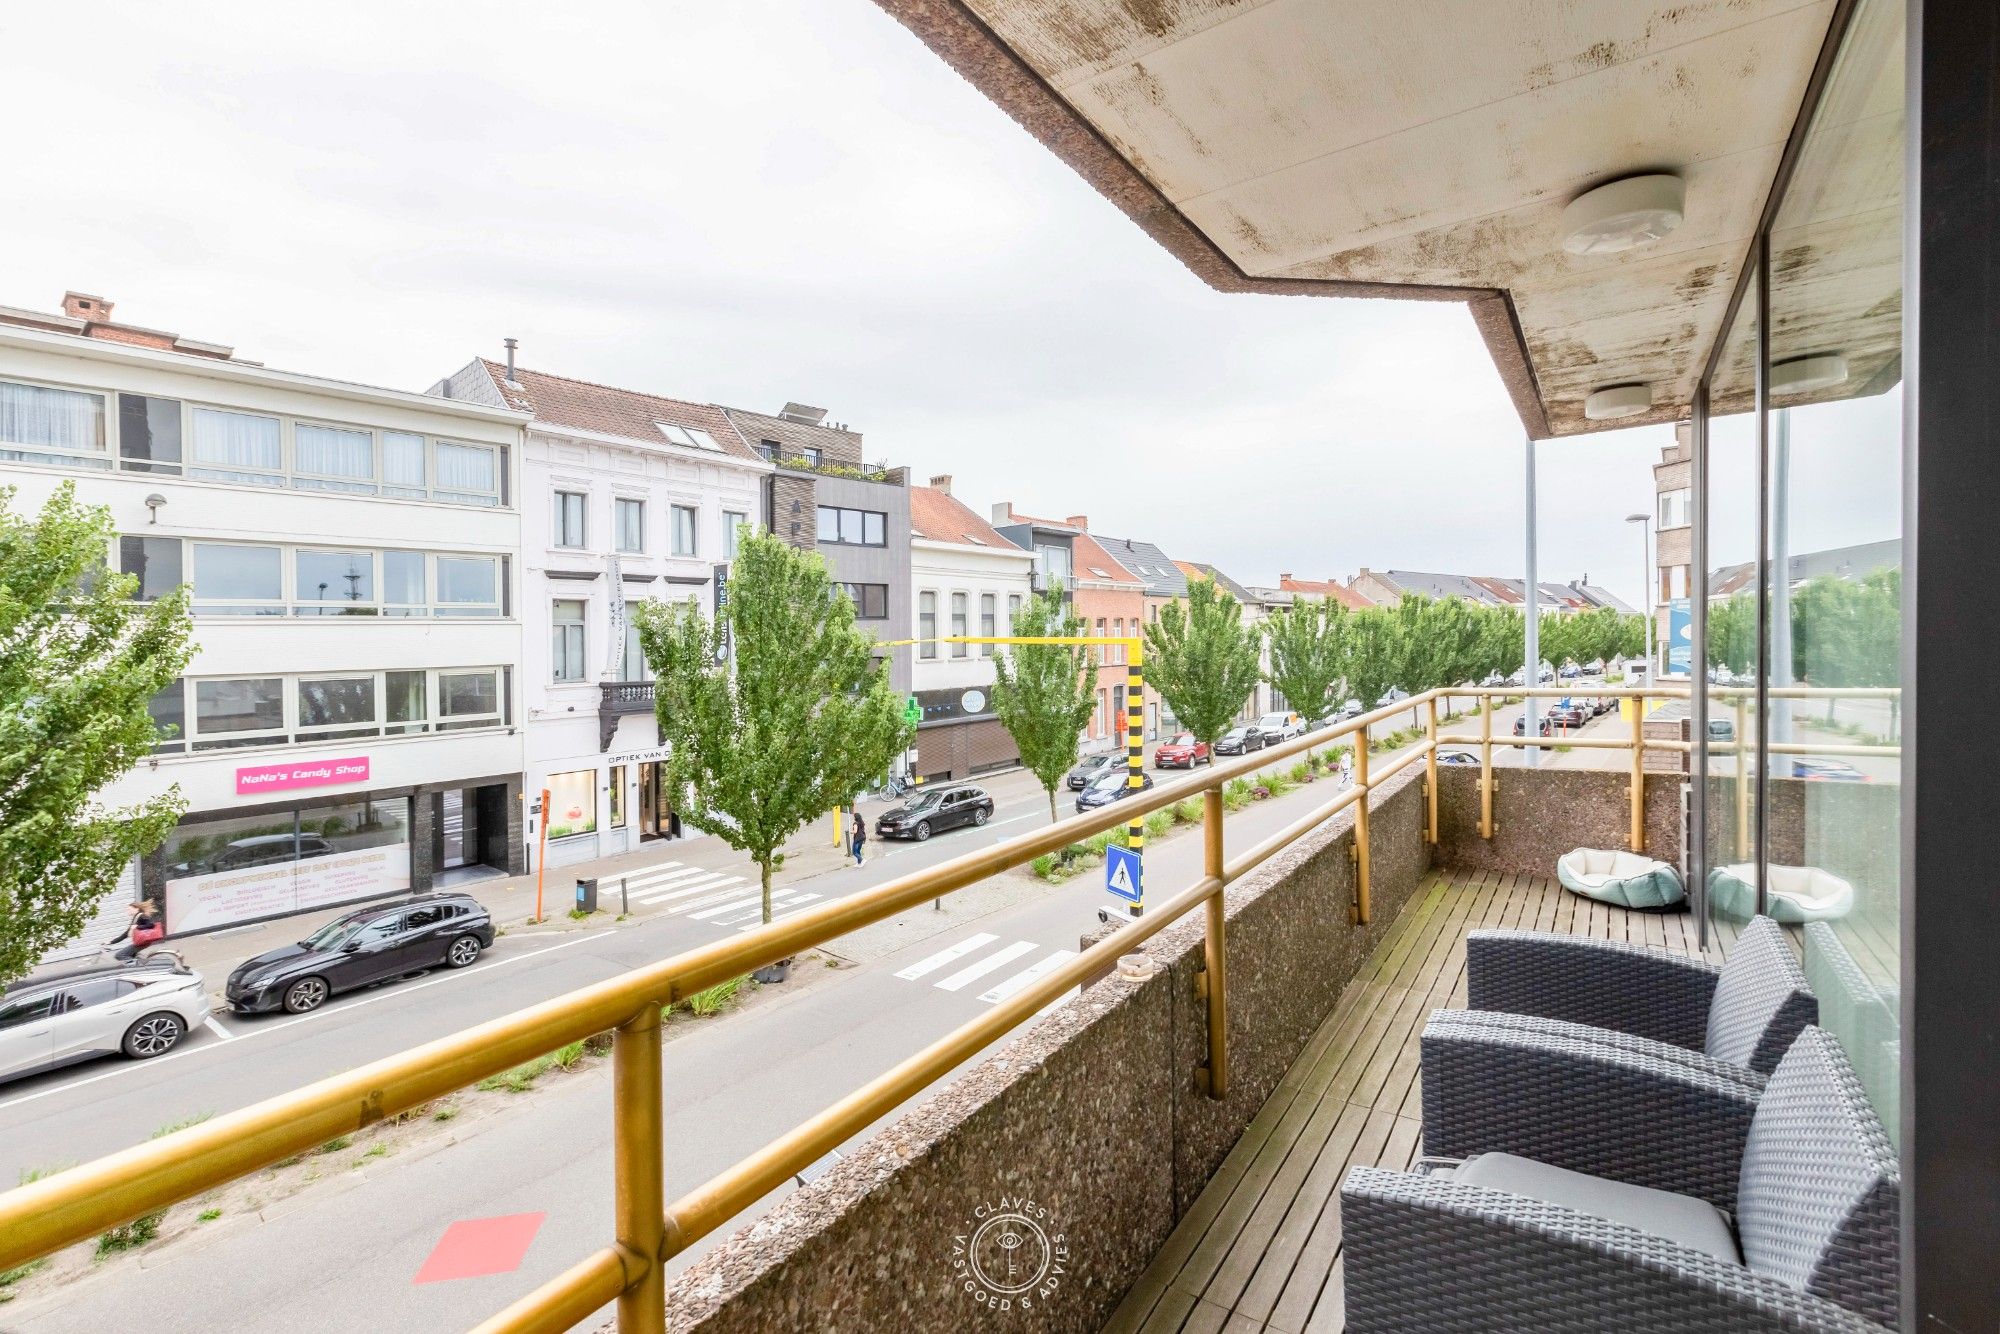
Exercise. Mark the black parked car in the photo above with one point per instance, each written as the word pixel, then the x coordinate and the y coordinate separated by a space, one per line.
pixel 361 948
pixel 1111 787
pixel 1090 768
pixel 933 812
pixel 1241 741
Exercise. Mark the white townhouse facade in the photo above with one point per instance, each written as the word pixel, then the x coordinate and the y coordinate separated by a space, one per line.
pixel 627 496
pixel 349 724
pixel 966 579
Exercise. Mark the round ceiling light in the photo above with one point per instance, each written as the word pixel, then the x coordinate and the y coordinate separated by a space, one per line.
pixel 1623 214
pixel 1618 400
pixel 1802 375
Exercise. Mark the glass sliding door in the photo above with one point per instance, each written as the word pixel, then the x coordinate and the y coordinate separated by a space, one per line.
pixel 1834 576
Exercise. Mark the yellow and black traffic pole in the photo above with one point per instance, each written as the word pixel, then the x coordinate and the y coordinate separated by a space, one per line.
pixel 1135 720
pixel 1135 758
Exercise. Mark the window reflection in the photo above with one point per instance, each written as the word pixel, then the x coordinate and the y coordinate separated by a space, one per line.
pixel 1834 579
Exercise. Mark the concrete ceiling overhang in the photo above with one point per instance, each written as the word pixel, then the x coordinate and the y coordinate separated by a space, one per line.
pixel 1423 150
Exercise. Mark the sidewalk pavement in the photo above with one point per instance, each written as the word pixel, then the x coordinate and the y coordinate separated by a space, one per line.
pixel 511 899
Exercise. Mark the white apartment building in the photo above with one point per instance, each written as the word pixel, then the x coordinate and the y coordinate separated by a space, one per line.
pixel 627 496
pixel 967 580
pixel 349 724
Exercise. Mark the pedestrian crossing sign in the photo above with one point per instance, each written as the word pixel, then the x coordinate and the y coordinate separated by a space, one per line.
pixel 1121 872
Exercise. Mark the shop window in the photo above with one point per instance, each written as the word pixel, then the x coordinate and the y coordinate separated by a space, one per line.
pixel 572 803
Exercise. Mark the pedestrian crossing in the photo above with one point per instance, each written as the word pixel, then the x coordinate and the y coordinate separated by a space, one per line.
pixel 977 960
pixel 714 897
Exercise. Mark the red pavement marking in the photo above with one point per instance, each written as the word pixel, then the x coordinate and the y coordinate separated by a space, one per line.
pixel 476 1247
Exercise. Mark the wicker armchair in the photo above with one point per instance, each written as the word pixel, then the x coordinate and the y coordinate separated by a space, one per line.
pixel 1745 1012
pixel 1623 1062
pixel 1503 1242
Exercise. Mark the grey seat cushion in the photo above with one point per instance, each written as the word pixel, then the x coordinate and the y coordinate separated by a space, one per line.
pixel 1681 1219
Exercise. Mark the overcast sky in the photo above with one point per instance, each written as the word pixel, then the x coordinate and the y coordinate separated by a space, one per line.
pixel 749 203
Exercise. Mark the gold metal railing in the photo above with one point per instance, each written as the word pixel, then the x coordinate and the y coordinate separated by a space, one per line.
pixel 77 1204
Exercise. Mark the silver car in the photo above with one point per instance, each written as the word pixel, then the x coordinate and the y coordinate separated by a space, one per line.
pixel 142 1009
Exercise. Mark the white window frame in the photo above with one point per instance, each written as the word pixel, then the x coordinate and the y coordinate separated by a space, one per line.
pixel 618 512
pixel 692 514
pixel 733 524
pixel 191 737
pixel 557 661
pixel 103 458
pixel 559 522
pixel 290 603
pixel 928 648
pixel 961 622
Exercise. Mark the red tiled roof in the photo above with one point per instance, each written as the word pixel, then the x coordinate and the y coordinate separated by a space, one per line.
pixel 941 517
pixel 1325 588
pixel 559 401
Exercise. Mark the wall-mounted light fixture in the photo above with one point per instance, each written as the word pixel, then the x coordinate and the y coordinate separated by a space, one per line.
pixel 153 503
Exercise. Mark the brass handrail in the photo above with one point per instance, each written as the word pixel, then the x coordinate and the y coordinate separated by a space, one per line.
pixel 78 1203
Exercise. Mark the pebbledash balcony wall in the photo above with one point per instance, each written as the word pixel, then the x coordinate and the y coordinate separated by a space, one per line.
pixel 1095 1114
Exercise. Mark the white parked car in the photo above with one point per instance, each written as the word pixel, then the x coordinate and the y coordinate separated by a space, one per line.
pixel 142 1009
pixel 1278 727
pixel 1351 709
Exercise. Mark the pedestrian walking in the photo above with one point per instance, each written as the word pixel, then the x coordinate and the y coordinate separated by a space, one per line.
pixel 857 841
pixel 142 930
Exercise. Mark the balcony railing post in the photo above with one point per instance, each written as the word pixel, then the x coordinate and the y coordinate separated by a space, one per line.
pixel 639 1125
pixel 1361 828
pixel 1431 772
pixel 1742 786
pixel 1638 773
pixel 1214 955
pixel 1487 703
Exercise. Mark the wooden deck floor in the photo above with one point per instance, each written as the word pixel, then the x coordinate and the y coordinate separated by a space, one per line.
pixel 1260 1249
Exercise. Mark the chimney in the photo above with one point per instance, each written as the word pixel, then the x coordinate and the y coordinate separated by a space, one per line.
pixel 511 343
pixel 82 306
pixel 1003 511
pixel 1079 521
pixel 942 482
pixel 1285 578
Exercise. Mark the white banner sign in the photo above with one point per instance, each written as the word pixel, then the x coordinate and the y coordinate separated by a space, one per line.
pixel 223 898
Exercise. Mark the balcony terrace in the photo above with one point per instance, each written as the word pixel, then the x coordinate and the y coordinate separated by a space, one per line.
pixel 1260 1249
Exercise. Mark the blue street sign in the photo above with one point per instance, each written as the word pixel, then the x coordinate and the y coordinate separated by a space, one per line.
pixel 1121 872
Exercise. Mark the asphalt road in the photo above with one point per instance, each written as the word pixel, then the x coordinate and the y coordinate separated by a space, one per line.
pixel 731 1086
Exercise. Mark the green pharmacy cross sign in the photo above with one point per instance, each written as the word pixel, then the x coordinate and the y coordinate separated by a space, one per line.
pixel 913 712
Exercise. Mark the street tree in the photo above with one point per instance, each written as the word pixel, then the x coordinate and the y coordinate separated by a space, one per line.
pixel 1044 693
pixel 1732 634
pixel 1369 653
pixel 80 659
pixel 1502 642
pixel 1437 643
pixel 1306 655
pixel 774 711
pixel 1203 659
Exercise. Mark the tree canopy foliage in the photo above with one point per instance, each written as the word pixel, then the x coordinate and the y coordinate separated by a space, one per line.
pixel 1203 659
pixel 1044 693
pixel 80 660
pixel 795 718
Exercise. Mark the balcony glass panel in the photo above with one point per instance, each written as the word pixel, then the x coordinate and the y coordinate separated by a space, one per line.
pixel 1834 589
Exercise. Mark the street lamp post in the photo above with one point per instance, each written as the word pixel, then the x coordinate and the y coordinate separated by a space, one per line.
pixel 1645 522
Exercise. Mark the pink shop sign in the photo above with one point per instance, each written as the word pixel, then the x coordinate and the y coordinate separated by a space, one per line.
pixel 301 773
